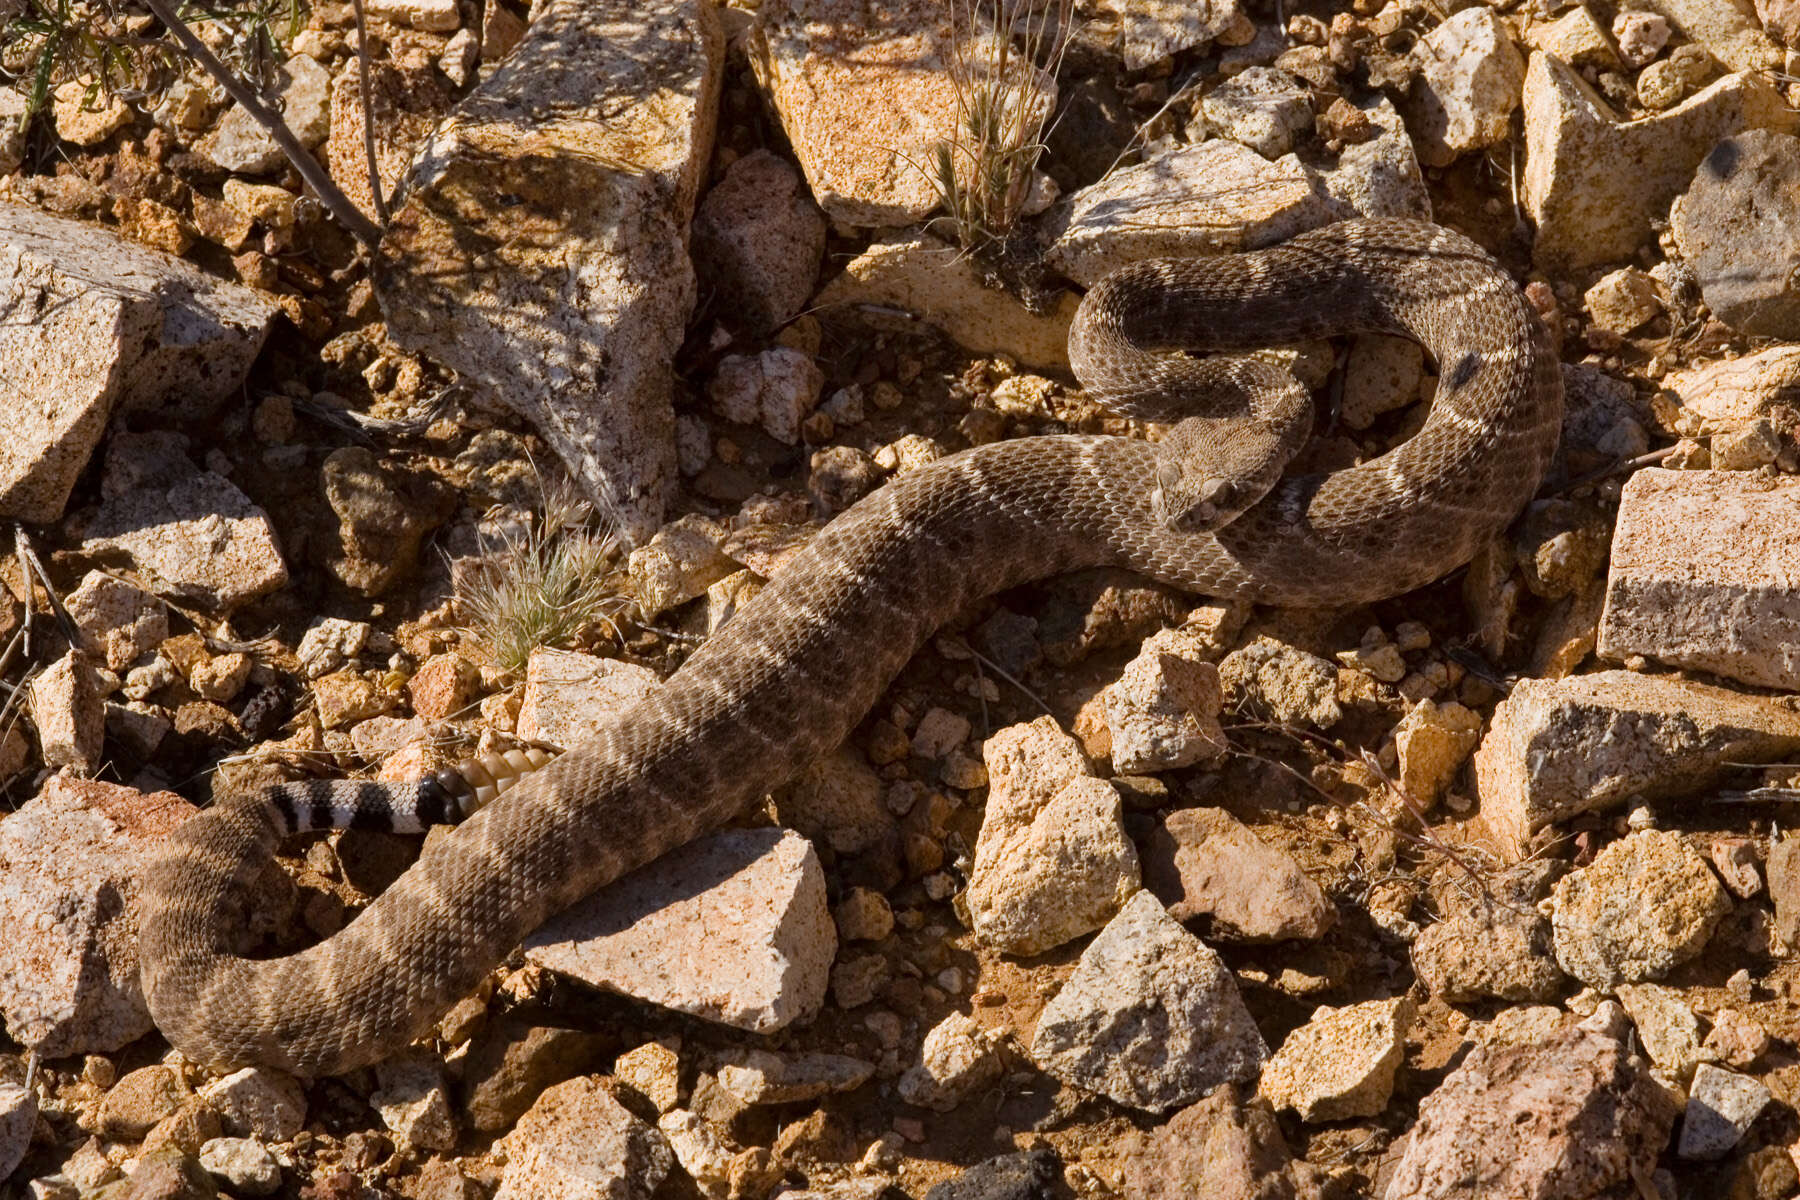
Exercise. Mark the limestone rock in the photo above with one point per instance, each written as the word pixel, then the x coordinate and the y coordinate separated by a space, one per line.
pixel 242 1163
pixel 569 696
pixel 1153 30
pixel 1163 712
pixel 573 316
pixel 1728 29
pixel 67 708
pixel 1151 1017
pixel 733 928
pixel 957 1059
pixel 68 861
pixel 939 285
pixel 1379 177
pixel 1470 76
pixel 678 564
pixel 1706 575
pixel 1262 108
pixel 1203 862
pixel 1341 1063
pixel 414 1102
pixel 1738 228
pixel 862 89
pixel 1622 300
pixel 302 92
pixel 1557 748
pixel 512 1062
pixel 1573 1115
pixel 1721 1107
pixel 758 239
pixel 1594 184
pixel 118 327
pixel 383 516
pixel 1052 861
pixel 1212 198
pixel 1646 904
pixel 579 1142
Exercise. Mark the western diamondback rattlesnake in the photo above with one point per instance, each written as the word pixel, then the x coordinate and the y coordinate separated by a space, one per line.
pixel 801 664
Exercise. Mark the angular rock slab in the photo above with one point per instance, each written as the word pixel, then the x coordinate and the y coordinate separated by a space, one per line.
pixel 542 248
pixel 1706 575
pixel 863 89
pixel 1593 184
pixel 1150 1018
pixel 1740 231
pixel 1558 748
pixel 90 324
pixel 68 964
pixel 733 928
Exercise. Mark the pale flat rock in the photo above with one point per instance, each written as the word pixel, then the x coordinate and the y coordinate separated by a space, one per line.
pixel 1151 31
pixel 194 538
pixel 733 928
pixel 1572 1115
pixel 703 1151
pixel 579 1143
pixel 1558 748
pixel 1341 1063
pixel 1706 575
pixel 758 239
pixel 937 283
pixel 1213 198
pixel 1262 108
pixel 18 1117
pixel 1726 395
pixel 117 326
pixel 412 1099
pixel 68 862
pixel 1594 184
pixel 1738 229
pixel 1469 77
pixel 1666 1028
pixel 258 1102
pixel 243 1164
pixel 587 146
pixel 1203 862
pixel 1576 37
pixel 302 95
pixel 1729 29
pixel 439 16
pixel 678 564
pixel 69 712
pixel 1151 1017
pixel 957 1059
pixel 863 90
pixel 1721 1107
pixel 1052 861
pixel 1645 905
pixel 118 621
pixel 764 1077
pixel 1379 177
pixel 569 696
pixel 1163 712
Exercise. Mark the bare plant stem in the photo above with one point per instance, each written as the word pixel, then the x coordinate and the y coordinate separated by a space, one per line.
pixel 368 107
pixel 352 218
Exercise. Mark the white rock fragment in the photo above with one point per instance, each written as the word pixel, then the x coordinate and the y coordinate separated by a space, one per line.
pixel 568 695
pixel 1341 1063
pixel 776 389
pixel 1163 712
pixel 578 1142
pixel 957 1059
pixel 242 1163
pixel 1721 1107
pixel 764 1077
pixel 68 709
pixel 1151 1017
pixel 438 16
pixel 1469 81
pixel 1623 300
pixel 18 1117
pixel 413 1101
pixel 1667 1028
pixel 733 928
pixel 258 1102
pixel 1052 861
pixel 701 1149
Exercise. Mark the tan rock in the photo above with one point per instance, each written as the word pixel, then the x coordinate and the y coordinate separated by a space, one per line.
pixel 117 620
pixel 408 101
pixel 1468 82
pixel 1341 1063
pixel 1729 29
pixel 1594 184
pixel 1576 38
pixel 937 284
pixel 569 696
pixel 1433 741
pixel 1163 712
pixel 67 708
pixel 1592 742
pixel 1725 395
pixel 578 1140
pixel 1645 905
pixel 1203 862
pixel 85 123
pixel 587 145
pixel 1706 575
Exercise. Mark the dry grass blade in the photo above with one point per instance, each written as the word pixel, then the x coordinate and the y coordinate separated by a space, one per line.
pixel 1003 99
pixel 543 583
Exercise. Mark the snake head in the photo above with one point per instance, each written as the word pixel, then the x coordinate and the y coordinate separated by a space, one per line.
pixel 1203 505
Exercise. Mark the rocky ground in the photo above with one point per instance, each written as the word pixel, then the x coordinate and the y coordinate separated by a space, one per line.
pixel 1478 892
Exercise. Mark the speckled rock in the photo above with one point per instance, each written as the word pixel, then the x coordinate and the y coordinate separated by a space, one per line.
pixel 1721 1107
pixel 1702 575
pixel 1209 198
pixel 588 144
pixel 1574 1115
pixel 512 1062
pixel 1728 29
pixel 1151 1017
pixel 734 928
pixel 1470 76
pixel 243 1164
pixel 118 621
pixel 1492 941
pixel 1622 300
pixel 1269 680
pixel 1205 863
pixel 1052 861
pixel 1557 748
pixel 1667 1028
pixel 1737 229
pixel 1262 108
pixel 1593 184
pixel 413 1101
pixel 18 1117
pixel 1025 1176
pixel 258 1102
pixel 1223 1146
pixel 1341 1063
pixel 776 389
pixel 119 327
pixel 68 710
pixel 764 1077
pixel 568 695
pixel 383 513
pixel 939 285
pixel 1646 904
pixel 701 1148
pixel 579 1143
pixel 68 971
pixel 1163 712
pixel 302 91
pixel 757 241
pixel 957 1059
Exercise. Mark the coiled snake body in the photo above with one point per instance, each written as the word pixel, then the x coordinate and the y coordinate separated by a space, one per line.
pixel 798 666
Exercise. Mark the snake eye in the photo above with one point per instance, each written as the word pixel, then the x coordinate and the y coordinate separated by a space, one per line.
pixel 1168 477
